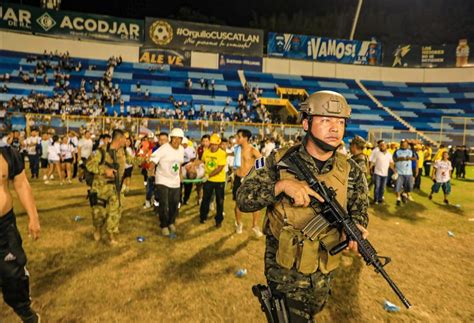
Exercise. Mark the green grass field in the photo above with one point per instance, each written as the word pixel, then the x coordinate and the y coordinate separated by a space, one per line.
pixel 192 278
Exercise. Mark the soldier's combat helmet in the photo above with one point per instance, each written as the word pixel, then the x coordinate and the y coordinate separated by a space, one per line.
pixel 325 103
pixel 359 142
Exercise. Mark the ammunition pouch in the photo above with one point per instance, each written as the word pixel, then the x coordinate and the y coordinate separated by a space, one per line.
pixel 306 256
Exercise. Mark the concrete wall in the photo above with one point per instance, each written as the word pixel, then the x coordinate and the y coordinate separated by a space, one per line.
pixel 88 49
pixel 294 67
pixel 101 50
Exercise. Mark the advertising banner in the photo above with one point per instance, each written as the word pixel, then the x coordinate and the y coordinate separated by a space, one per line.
pixel 166 33
pixel 235 62
pixel 427 56
pixel 165 56
pixel 323 49
pixel 70 24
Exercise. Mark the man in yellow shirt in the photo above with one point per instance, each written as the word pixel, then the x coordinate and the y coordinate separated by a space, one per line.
pixel 439 153
pixel 420 161
pixel 214 160
pixel 368 150
pixel 428 153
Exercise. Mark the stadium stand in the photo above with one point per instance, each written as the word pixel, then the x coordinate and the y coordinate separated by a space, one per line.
pixel 421 105
pixel 366 115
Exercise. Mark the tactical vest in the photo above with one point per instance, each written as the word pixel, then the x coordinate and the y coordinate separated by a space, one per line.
pixel 286 222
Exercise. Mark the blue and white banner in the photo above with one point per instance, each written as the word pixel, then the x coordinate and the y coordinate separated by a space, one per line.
pixel 237 62
pixel 323 49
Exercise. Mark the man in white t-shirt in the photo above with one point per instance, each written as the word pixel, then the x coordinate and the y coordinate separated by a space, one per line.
pixel 168 160
pixel 32 144
pixel 189 152
pixel 268 148
pixel 441 177
pixel 84 150
pixel 380 161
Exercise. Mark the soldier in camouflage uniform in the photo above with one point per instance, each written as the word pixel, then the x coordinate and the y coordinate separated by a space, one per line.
pixel 357 151
pixel 108 165
pixel 302 277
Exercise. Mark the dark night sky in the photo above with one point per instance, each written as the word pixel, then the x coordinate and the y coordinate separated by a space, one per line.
pixel 394 21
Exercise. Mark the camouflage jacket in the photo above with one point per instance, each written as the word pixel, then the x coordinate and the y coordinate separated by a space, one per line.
pixel 258 188
pixel 363 163
pixel 97 165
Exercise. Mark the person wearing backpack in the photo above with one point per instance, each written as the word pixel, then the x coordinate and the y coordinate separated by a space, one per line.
pixel 108 165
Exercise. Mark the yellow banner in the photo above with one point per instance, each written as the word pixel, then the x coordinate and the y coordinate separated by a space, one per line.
pixel 273 101
pixel 280 102
pixel 291 91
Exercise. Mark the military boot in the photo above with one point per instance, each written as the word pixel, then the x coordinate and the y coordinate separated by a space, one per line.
pixel 98 234
pixel 112 239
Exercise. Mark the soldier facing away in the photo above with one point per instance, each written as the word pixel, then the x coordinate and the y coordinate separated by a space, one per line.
pixel 300 273
pixel 108 165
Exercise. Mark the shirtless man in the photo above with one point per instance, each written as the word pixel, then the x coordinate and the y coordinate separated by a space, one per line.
pixel 244 161
pixel 14 278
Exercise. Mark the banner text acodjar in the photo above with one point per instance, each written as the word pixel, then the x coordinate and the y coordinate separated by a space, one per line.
pixel 131 31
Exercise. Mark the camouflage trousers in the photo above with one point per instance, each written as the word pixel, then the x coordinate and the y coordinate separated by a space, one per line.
pixel 110 214
pixel 305 295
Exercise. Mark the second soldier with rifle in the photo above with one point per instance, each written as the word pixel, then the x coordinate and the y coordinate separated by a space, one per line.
pixel 108 165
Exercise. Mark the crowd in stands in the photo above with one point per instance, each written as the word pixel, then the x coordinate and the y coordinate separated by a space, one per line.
pixel 89 99
pixel 92 96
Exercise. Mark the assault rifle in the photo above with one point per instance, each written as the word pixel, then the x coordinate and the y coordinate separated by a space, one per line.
pixel 115 165
pixel 332 214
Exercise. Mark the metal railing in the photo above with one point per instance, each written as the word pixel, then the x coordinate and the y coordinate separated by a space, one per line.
pixel 62 124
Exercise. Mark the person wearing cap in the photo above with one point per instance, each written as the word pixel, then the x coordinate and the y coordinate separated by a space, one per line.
pixel 215 160
pixel 356 147
pixel 303 279
pixel 167 161
pixel 368 148
pixel 403 159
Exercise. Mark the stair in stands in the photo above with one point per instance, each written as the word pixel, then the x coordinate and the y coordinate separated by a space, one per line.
pixel 242 78
pixel 397 117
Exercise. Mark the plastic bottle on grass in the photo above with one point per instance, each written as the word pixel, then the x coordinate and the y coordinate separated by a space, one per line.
pixel 390 307
pixel 242 272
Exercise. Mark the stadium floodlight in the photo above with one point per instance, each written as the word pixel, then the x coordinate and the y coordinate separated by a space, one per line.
pixel 51 4
pixel 356 18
